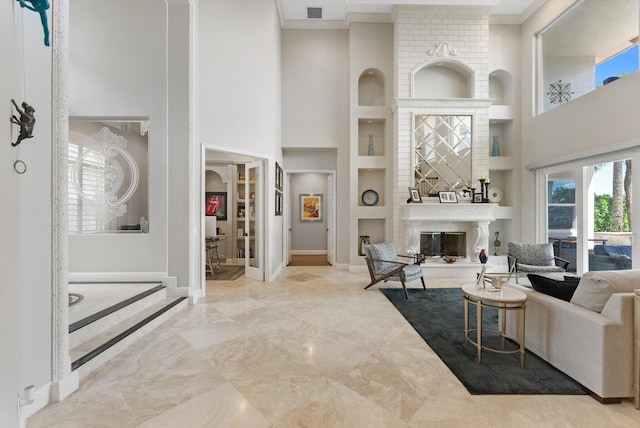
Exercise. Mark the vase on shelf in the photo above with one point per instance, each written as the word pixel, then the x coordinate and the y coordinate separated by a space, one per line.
pixel 495 146
pixel 483 256
pixel 370 149
pixel 364 241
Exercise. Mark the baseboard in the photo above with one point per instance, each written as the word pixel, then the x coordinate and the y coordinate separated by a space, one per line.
pixel 343 266
pixel 308 252
pixel 357 268
pixel 63 388
pixel 49 393
pixel 116 276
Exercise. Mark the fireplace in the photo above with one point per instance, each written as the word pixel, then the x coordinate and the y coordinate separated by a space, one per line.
pixel 438 244
pixel 471 220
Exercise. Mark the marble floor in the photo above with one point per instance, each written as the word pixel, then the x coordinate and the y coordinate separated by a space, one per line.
pixel 312 349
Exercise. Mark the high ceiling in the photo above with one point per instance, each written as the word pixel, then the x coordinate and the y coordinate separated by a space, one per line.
pixel 337 10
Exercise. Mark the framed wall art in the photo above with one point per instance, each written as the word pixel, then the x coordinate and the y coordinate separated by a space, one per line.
pixel 310 207
pixel 215 203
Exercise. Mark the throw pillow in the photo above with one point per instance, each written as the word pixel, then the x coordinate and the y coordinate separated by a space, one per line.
pixel 595 288
pixel 559 289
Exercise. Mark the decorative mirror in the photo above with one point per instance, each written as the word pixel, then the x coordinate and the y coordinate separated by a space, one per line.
pixel 442 158
pixel 108 175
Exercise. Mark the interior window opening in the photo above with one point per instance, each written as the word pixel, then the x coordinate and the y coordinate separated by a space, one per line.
pixel 589 45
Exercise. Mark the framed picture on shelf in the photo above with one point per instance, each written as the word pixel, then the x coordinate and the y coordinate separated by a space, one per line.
pixel 414 194
pixel 215 203
pixel 477 197
pixel 448 197
pixel 310 207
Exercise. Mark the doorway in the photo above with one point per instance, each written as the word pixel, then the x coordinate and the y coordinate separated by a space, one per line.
pixel 233 216
pixel 310 218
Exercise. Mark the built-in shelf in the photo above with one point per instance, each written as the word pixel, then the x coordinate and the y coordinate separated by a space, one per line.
pixel 371 130
pixel 371 212
pixel 371 162
pixel 498 163
pixel 500 113
pixel 371 179
pixel 373 228
pixel 374 112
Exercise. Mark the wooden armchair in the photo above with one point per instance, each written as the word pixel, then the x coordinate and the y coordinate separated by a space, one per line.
pixel 383 264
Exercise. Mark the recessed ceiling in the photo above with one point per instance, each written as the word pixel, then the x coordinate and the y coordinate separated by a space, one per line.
pixel 337 10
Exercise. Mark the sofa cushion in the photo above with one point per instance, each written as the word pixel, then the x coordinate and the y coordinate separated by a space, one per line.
pixel 595 288
pixel 560 289
pixel 612 250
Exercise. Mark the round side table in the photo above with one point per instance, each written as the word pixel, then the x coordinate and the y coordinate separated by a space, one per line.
pixel 503 300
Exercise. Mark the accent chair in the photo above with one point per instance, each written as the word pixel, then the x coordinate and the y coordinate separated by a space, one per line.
pixel 534 258
pixel 383 265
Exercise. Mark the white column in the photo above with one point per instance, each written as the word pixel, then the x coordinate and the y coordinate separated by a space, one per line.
pixel 63 381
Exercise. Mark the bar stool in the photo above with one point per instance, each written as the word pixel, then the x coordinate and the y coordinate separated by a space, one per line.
pixel 213 259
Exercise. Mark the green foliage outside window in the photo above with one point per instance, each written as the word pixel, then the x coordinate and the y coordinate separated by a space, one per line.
pixel 602 220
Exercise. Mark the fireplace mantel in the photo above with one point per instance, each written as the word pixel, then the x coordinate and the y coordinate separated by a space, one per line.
pixel 464 211
pixel 437 217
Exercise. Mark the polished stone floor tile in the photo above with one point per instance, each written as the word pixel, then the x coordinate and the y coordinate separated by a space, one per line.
pixel 311 349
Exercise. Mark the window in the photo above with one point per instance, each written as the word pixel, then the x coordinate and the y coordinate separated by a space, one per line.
pixel 589 212
pixel 83 218
pixel 107 164
pixel 578 46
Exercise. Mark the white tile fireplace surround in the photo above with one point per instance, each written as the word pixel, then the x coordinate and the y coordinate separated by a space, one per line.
pixel 466 217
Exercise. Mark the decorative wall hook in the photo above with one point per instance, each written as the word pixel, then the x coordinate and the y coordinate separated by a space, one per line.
pixel 27 121
pixel 41 7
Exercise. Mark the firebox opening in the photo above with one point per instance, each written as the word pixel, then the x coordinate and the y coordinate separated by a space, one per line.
pixel 438 244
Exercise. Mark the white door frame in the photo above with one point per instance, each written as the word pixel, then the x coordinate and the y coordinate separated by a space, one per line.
pixel 331 211
pixel 266 160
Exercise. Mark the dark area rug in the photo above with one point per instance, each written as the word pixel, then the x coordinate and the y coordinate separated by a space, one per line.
pixel 438 316
pixel 226 273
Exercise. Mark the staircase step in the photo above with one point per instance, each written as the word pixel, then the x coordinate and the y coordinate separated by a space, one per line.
pixel 96 323
pixel 97 350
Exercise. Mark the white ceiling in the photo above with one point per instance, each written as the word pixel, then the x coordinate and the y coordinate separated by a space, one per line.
pixel 337 10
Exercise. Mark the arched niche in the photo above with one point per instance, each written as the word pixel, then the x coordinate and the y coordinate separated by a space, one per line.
pixel 371 88
pixel 443 79
pixel 501 87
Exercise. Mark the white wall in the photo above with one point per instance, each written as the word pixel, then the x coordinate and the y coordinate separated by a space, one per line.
pixel 591 123
pixel 25 211
pixel 120 71
pixel 308 237
pixel 239 75
pixel 315 88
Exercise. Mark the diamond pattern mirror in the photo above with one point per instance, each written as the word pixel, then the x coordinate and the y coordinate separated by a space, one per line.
pixel 442 157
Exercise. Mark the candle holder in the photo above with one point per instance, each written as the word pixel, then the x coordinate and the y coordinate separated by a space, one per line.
pixel 484 189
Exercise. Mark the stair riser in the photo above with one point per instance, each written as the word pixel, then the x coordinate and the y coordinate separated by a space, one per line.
pixel 114 350
pixel 85 333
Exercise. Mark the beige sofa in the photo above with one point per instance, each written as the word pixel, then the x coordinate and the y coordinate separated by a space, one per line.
pixel 590 338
